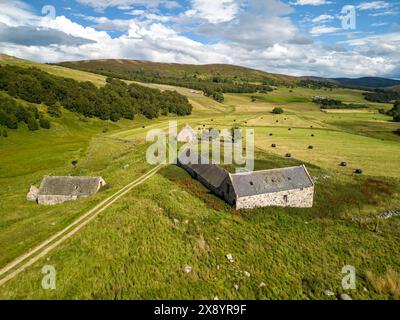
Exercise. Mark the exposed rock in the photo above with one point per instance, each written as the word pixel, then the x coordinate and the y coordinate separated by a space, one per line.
pixel 126 166
pixel 216 298
pixel 262 285
pixel 236 286
pixel 187 269
pixel 329 293
pixel 247 274
pixel 229 257
pixel 32 194
pixel 345 296
pixel 186 221
pixel 176 221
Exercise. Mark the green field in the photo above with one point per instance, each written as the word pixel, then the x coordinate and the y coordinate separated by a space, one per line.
pixel 135 250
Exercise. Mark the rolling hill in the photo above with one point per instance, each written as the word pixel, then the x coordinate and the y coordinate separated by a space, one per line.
pixel 367 82
pixel 175 70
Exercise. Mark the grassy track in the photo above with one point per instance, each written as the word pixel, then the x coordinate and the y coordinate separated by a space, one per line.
pixel 136 250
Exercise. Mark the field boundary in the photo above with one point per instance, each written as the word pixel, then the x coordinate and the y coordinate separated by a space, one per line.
pixel 11 270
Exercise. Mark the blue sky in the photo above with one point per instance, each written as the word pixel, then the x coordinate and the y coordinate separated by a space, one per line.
pixel 298 37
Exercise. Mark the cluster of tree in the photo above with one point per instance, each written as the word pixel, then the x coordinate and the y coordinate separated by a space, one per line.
pixel 213 87
pixel 277 111
pixel 395 111
pixel 315 84
pixel 382 96
pixel 13 112
pixel 114 101
pixel 329 103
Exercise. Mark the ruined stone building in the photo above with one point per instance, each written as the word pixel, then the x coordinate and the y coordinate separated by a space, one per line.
pixel 55 190
pixel 285 187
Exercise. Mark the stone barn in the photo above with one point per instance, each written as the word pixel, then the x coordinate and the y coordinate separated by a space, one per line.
pixel 210 175
pixel 55 190
pixel 286 187
pixel 187 134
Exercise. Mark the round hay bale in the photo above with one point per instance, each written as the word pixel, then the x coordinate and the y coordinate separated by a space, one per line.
pixel 310 147
pixel 271 134
pixel 288 155
pixel 277 121
pixel 358 171
pixel 312 135
pixel 290 129
pixel 273 145
pixel 343 164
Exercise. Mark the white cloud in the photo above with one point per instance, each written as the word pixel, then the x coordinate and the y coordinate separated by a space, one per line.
pixel 373 5
pixel 100 5
pixel 213 11
pixel 323 18
pixel 384 13
pixel 310 2
pixel 317 30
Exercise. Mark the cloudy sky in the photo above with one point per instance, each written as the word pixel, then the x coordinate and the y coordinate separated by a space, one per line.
pixel 296 37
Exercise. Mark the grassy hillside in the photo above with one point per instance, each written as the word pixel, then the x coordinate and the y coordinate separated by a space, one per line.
pixel 136 250
pixel 98 80
pixel 174 70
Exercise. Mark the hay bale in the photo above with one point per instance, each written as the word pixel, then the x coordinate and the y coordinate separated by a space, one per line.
pixel 271 134
pixel 343 164
pixel 310 147
pixel 273 145
pixel 358 171
pixel 288 155
pixel 290 129
pixel 312 135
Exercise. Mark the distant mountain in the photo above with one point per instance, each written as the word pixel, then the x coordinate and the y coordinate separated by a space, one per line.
pixel 367 82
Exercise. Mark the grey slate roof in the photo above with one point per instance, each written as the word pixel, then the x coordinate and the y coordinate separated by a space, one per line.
pixel 269 181
pixel 70 186
pixel 212 173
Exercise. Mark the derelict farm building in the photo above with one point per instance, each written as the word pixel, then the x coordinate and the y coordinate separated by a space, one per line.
pixel 55 190
pixel 286 187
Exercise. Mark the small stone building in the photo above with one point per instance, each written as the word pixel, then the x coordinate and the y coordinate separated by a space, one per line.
pixel 55 190
pixel 187 134
pixel 286 187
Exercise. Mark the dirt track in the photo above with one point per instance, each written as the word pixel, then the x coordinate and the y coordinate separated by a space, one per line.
pixel 20 264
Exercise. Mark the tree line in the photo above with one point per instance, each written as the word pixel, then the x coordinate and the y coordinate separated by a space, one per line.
pixel 114 101
pixel 381 96
pixel 13 112
pixel 394 112
pixel 329 103
pixel 213 87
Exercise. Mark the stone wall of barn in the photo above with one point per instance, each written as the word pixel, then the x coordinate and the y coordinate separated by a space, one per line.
pixel 298 198
pixel 53 200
